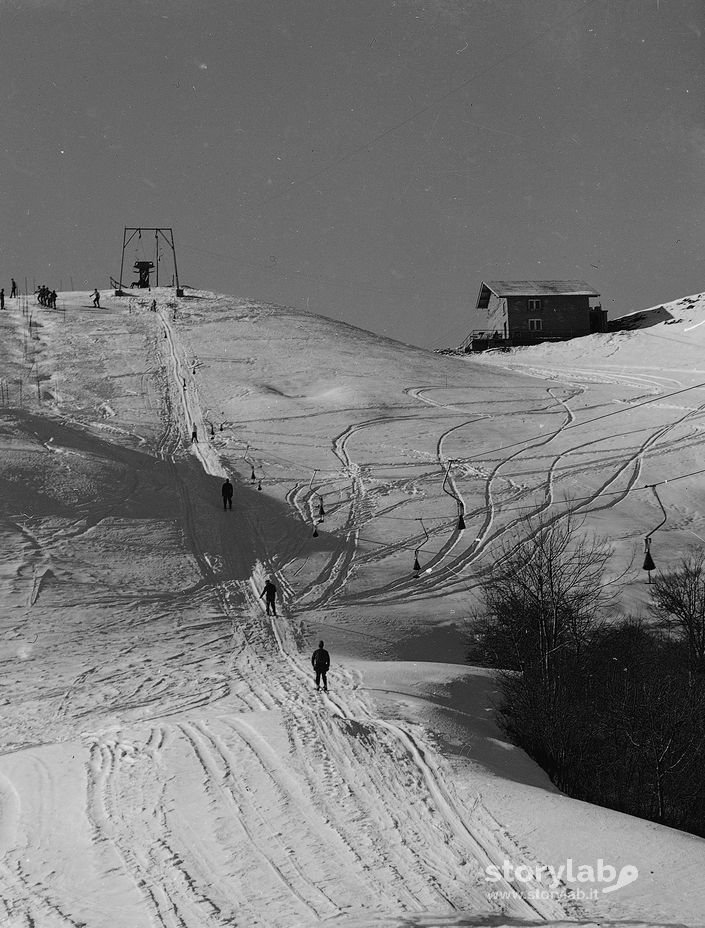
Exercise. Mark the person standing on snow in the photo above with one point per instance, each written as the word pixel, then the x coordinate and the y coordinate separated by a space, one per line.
pixel 270 594
pixel 320 660
pixel 13 289
pixel 96 298
pixel 227 492
pixel 194 434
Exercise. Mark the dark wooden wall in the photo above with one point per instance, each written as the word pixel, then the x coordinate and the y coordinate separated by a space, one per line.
pixel 562 316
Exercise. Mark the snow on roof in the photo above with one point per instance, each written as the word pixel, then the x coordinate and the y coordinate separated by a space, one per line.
pixel 533 288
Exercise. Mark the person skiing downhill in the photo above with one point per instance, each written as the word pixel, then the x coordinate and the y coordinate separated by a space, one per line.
pixel 227 492
pixel 320 660
pixel 270 594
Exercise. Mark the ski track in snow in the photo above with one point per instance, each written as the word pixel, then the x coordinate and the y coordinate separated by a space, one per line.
pixel 335 794
pixel 315 806
pixel 444 570
pixel 359 764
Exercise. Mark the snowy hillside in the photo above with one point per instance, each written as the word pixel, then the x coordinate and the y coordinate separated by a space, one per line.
pixel 633 430
pixel 166 760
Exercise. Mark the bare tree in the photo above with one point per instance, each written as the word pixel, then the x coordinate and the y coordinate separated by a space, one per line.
pixel 543 595
pixel 678 599
pixel 660 720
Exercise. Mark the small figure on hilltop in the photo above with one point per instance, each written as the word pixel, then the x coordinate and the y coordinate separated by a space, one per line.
pixel 96 298
pixel 13 289
pixel 227 492
pixel 320 660
pixel 270 594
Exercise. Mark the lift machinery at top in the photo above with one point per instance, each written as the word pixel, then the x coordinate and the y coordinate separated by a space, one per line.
pixel 163 235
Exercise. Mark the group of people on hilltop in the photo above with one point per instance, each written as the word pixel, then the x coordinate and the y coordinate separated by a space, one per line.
pixel 45 296
pixel 13 293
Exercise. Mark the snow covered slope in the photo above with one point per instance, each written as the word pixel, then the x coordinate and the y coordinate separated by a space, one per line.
pixel 635 429
pixel 165 759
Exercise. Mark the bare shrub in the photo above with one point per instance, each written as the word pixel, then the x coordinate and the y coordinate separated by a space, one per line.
pixel 542 597
pixel 613 712
pixel 678 599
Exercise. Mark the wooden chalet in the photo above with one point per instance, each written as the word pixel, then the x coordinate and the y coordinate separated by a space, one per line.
pixel 525 312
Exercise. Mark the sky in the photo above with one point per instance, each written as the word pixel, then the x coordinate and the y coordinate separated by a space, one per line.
pixel 372 161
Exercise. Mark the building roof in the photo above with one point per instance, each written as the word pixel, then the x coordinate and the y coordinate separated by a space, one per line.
pixel 503 288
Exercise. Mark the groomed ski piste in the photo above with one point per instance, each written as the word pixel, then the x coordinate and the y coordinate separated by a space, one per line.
pixel 165 759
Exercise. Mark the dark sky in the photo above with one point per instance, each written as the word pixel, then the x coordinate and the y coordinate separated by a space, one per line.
pixel 371 160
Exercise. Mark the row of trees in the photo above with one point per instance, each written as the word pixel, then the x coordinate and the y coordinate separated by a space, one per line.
pixel 612 709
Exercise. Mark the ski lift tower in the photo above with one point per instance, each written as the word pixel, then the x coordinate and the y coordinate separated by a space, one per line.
pixel 162 234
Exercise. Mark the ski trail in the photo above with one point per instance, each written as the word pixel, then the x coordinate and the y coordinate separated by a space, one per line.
pixel 137 832
pixel 278 861
pixel 402 766
pixel 371 768
pixel 443 572
pixel 385 772
pixel 441 569
pixel 330 586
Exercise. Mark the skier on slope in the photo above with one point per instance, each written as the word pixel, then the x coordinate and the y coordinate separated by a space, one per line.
pixel 270 594
pixel 320 660
pixel 96 298
pixel 227 492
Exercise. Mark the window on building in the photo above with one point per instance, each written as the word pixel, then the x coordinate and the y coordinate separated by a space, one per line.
pixel 535 325
pixel 534 305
